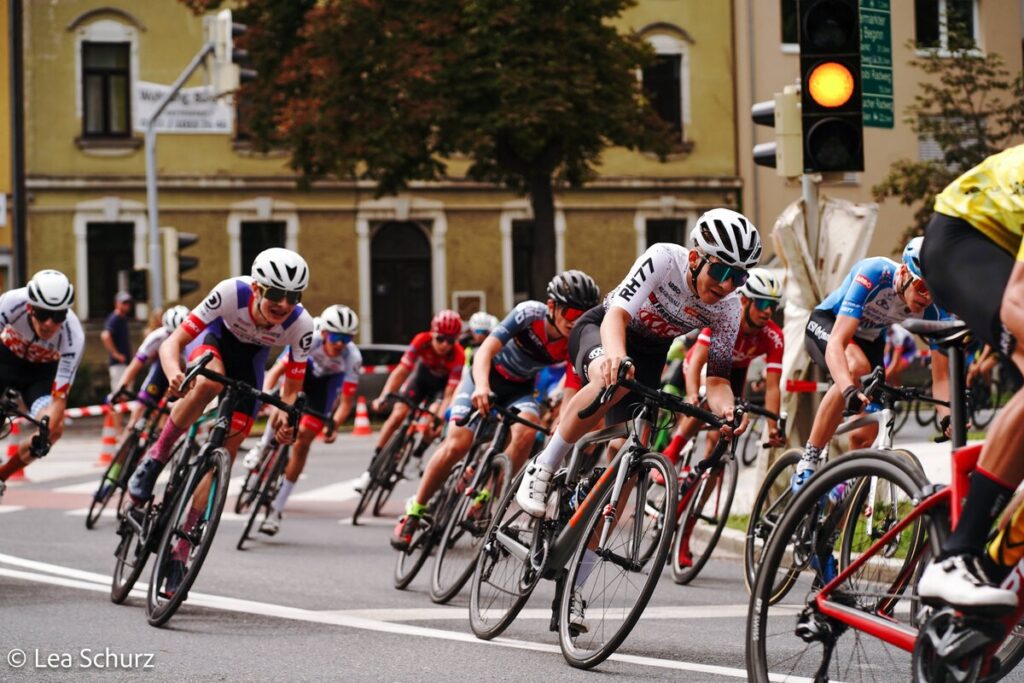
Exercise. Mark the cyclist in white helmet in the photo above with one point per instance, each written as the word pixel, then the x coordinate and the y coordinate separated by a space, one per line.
pixel 480 325
pixel 332 370
pixel 41 346
pixel 238 321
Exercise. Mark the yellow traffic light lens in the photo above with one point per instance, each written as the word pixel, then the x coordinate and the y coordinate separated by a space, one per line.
pixel 831 84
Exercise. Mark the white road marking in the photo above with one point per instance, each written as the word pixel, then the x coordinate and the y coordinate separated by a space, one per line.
pixel 82 512
pixel 333 493
pixel 11 508
pixel 57 575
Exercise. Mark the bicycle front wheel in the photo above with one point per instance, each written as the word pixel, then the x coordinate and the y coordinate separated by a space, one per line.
pixel 188 537
pixel 114 477
pixel 463 535
pixel 608 585
pixel 378 466
pixel 265 492
pixel 131 555
pixel 701 524
pixel 814 645
pixel 769 506
pixel 394 473
pixel 431 526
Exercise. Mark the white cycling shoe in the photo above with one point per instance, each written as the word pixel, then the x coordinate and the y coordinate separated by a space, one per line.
pixel 960 582
pixel 532 493
pixel 362 482
pixel 252 458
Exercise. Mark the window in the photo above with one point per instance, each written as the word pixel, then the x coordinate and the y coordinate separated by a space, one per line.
pixel 257 236
pixel 790 22
pixel 964 131
pixel 663 86
pixel 666 230
pixel 106 87
pixel 522 260
pixel 945 24
pixel 110 258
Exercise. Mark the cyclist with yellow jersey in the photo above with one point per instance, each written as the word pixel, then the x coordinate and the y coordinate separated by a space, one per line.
pixel 972 258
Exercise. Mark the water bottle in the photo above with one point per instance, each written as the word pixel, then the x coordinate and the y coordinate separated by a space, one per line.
pixel 838 493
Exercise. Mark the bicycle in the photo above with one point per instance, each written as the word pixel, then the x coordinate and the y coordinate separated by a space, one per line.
pixel 267 478
pixel 129 453
pixel 484 476
pixel 169 521
pixel 775 494
pixel 872 597
pixel 388 466
pixel 705 500
pixel 10 411
pixel 606 512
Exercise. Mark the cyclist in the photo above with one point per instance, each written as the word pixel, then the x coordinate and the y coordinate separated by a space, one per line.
pixel 972 255
pixel 332 370
pixel 434 360
pixel 845 337
pixel 900 353
pixel 481 324
pixel 534 335
pixel 240 319
pixel 41 346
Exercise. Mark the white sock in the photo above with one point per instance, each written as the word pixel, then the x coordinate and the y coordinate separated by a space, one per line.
pixel 587 565
pixel 282 495
pixel 554 453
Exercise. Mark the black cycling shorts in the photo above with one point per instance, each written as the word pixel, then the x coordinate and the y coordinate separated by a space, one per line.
pixel 648 357
pixel 817 333
pixel 32 380
pixel 242 361
pixel 423 385
pixel 967 275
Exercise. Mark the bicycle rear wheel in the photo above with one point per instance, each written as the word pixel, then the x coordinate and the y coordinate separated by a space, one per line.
pixel 378 466
pixel 392 475
pixel 701 524
pixel 113 478
pixel 817 646
pixel 983 403
pixel 609 579
pixel 185 543
pixel 410 561
pixel 504 576
pixel 463 535
pixel 769 505
pixel 751 442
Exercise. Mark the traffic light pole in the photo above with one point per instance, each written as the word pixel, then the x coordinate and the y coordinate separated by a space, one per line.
pixel 809 185
pixel 156 266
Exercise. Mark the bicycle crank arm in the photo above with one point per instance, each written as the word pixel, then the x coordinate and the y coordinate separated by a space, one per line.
pixel 619 560
pixel 514 547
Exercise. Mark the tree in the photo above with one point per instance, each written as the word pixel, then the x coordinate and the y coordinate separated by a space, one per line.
pixel 969 106
pixel 531 92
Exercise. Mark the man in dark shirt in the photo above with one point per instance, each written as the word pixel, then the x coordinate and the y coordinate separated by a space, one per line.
pixel 116 340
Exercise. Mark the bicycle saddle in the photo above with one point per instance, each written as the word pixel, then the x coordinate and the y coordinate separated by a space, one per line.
pixel 942 333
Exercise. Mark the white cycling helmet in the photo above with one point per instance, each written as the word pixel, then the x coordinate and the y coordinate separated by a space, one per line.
pixel 339 319
pixel 481 320
pixel 729 236
pixel 173 317
pixel 762 285
pixel 51 290
pixel 281 268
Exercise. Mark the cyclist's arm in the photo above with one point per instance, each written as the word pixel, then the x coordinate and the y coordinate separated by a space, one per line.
pixel 130 373
pixel 940 380
pixel 698 358
pixel 835 352
pixel 344 407
pixel 170 356
pixel 274 375
pixel 394 381
pixel 482 358
pixel 449 392
pixel 108 344
pixel 613 341
pixel 773 396
pixel 720 398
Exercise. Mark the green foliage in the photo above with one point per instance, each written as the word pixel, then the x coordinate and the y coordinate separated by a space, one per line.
pixel 968 104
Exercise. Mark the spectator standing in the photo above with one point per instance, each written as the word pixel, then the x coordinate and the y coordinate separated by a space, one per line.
pixel 116 340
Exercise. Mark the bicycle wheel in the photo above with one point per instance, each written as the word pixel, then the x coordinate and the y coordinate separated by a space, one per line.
pixel 924 413
pixel 611 582
pixel 250 489
pixel 505 576
pixel 113 478
pixel 269 482
pixel 814 645
pixel 392 475
pixel 460 543
pixel 983 406
pixel 377 466
pixel 702 521
pixel 409 562
pixel 187 543
pixel 131 555
pixel 751 442
pixel 769 505
pixel 902 410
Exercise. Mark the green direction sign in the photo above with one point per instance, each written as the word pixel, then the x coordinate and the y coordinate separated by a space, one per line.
pixel 876 63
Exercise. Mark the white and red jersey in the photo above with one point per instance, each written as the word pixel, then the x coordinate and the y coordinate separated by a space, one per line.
pixel 348 363
pixel 421 350
pixel 65 348
pixel 231 304
pixel 766 341
pixel 662 305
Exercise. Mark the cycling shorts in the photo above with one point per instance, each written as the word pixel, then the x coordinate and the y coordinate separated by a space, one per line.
pixel 321 393
pixel 242 362
pixel 422 385
pixel 967 274
pixel 510 395
pixel 816 337
pixel 154 386
pixel 32 380
pixel 648 357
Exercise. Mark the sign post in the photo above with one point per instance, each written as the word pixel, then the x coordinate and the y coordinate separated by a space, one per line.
pixel 876 63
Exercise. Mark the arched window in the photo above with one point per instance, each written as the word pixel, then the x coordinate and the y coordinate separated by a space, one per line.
pixel 667 81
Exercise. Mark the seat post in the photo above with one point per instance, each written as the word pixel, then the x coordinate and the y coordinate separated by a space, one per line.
pixel 957 395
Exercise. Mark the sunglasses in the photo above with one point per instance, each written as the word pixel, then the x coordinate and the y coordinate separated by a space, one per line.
pixel 444 338
pixel 765 304
pixel 721 272
pixel 276 295
pixel 572 314
pixel 338 338
pixel 482 333
pixel 42 315
pixel 920 286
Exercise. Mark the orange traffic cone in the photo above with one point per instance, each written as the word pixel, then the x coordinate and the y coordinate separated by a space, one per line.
pixel 362 426
pixel 108 442
pixel 12 450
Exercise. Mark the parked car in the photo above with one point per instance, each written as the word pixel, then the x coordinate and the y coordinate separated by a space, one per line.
pixel 378 359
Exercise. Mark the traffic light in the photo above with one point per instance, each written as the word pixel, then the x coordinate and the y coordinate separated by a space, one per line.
pixel 138 283
pixel 830 84
pixel 229 63
pixel 175 264
pixel 785 154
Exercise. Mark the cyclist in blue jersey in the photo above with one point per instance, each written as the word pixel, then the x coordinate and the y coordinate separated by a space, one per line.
pixel 845 336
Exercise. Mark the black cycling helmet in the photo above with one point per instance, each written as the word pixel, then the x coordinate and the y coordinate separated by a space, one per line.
pixel 575 289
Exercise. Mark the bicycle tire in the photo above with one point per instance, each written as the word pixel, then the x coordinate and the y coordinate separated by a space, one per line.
pixel 160 607
pixel 523 579
pixel 902 410
pixel 768 653
pixel 578 649
pixel 983 404
pixel 122 462
pixel 265 491
pixel 392 476
pixel 376 464
pixel 410 561
pixel 769 506
pixel 751 442
pixel 725 476
pixel 446 582
pixel 924 413
pixel 247 495
pixel 131 554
